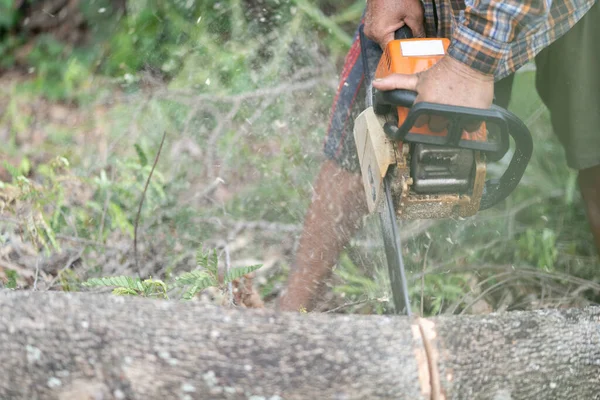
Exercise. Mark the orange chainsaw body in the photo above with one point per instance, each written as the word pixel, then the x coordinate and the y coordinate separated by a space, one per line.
pixel 411 56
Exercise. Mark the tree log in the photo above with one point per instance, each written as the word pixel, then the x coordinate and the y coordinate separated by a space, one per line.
pixel 84 346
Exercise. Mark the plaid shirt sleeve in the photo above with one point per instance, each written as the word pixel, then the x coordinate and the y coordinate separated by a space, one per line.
pixel 498 36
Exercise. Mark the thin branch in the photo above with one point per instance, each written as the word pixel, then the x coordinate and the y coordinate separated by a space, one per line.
pixel 68 264
pixel 216 134
pixel 137 217
pixel 37 272
pixel 227 269
pixel 287 88
pixel 9 220
pixel 206 192
pixel 423 275
pixel 354 303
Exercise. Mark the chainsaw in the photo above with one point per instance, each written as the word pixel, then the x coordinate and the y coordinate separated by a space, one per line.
pixel 411 171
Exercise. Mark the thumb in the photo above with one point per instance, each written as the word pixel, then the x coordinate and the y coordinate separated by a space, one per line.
pixel 397 81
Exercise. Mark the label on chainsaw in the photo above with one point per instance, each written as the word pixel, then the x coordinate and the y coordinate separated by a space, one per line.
pixel 416 48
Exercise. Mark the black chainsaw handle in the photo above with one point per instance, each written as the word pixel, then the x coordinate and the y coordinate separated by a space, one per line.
pixel 403 33
pixel 496 190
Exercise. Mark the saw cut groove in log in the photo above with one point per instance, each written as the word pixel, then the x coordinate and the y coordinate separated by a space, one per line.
pixel 84 346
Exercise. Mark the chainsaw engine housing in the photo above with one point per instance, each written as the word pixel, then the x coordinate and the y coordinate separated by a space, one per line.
pixel 430 180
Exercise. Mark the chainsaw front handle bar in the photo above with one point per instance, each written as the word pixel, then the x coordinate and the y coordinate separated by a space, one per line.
pixel 495 190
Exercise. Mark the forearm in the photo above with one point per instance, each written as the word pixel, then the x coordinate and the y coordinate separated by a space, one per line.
pixel 483 35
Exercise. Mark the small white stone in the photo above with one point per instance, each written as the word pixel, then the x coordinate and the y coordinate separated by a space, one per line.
pixel 210 378
pixel 164 354
pixel 188 388
pixel 33 354
pixel 85 324
pixel 553 385
pixel 248 367
pixel 119 395
pixel 54 383
pixel 101 10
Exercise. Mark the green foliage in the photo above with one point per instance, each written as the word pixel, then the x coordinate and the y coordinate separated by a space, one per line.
pixel 37 203
pixel 196 281
pixel 238 272
pixel 11 276
pixel 59 73
pixel 8 14
pixel 358 284
pixel 127 286
pixel 192 282
pixel 48 199
pixel 538 247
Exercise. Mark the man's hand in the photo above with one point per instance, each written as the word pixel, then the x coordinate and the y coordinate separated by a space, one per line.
pixel 384 17
pixel 448 82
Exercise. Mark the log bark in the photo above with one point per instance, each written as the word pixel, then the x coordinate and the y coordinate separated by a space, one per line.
pixel 84 346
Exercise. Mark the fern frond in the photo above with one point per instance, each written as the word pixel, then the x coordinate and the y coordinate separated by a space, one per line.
pixel 201 279
pixel 235 273
pixel 123 291
pixel 208 261
pixel 213 263
pixel 12 170
pixel 191 292
pixel 141 155
pixel 155 287
pixel 119 281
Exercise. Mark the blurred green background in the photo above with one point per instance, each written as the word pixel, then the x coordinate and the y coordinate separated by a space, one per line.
pixel 241 90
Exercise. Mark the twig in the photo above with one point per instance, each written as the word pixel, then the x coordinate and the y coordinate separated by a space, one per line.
pixel 286 88
pixel 68 264
pixel 9 220
pixel 133 128
pixel 317 15
pixel 137 217
pixel 354 303
pixel 227 269
pixel 222 124
pixel 423 275
pixel 37 272
pixel 207 191
pixel 105 209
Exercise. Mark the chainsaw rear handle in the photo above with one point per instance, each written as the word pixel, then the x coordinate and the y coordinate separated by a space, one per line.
pixel 458 118
pixel 496 190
